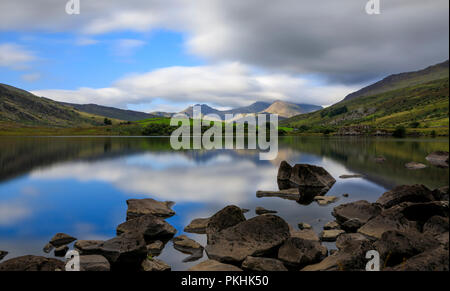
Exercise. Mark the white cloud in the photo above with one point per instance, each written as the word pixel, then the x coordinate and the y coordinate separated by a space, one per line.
pixel 15 56
pixel 84 41
pixel 32 77
pixel 227 84
pixel 127 47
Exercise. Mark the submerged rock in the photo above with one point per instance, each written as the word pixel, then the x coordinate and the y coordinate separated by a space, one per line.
pixel 263 264
pixel 262 210
pixel 350 176
pixel 212 265
pixel 325 200
pixel 415 166
pixel 405 193
pixel 297 252
pixel 303 225
pixel 150 265
pixel 197 225
pixel 150 226
pixel 254 237
pixel 94 263
pixel 140 207
pixel 32 263
pixel 61 239
pixel 438 159
pixel 361 210
pixel 290 194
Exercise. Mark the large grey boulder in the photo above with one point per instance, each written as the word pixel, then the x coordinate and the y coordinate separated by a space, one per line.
pixel 361 210
pixel 438 159
pixel 303 175
pixel 297 252
pixel 436 259
pixel 212 265
pixel 225 218
pixel 32 263
pixel 263 264
pixel 61 239
pixel 87 247
pixel 139 207
pixel 94 263
pixel 405 193
pixel 254 237
pixel 150 226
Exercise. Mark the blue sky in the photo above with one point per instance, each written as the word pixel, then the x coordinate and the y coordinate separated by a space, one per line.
pixel 165 55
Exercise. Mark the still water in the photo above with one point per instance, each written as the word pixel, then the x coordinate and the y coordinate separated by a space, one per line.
pixel 79 185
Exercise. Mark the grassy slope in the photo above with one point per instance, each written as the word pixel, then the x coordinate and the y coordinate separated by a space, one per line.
pixel 110 112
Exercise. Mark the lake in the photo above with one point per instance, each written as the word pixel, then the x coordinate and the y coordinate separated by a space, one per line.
pixel 79 185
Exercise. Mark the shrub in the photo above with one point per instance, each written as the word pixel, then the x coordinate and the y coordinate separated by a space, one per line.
pixel 399 131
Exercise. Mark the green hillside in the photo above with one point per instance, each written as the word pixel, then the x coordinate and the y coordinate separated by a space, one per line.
pixel 421 108
pixel 110 112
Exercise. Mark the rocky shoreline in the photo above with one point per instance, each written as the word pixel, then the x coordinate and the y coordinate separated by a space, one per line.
pixel 408 226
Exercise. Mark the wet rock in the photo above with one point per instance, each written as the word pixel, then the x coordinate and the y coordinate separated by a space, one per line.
pixel 297 252
pixel 361 210
pixel 150 265
pixel 395 246
pixel 330 234
pixel 438 159
pixel 225 218
pixel 431 260
pixel 212 265
pixel 87 247
pixel 48 248
pixel 307 233
pixel 32 263
pixel 441 194
pixel 254 237
pixel 284 174
pixel 415 166
pixel 311 176
pixel 289 194
pixel 197 225
pixel 262 210
pixel 150 226
pixel 61 239
pixel 61 251
pixel 303 225
pixel 155 248
pixel 346 238
pixel 331 225
pixel 263 264
pixel 325 200
pixel 405 193
pixel 188 246
pixel 350 176
pixel 3 254
pixel 94 263
pixel 352 225
pixel 139 207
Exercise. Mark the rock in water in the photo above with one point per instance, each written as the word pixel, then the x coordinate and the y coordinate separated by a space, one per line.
pixel 325 200
pixel 289 194
pixel 263 264
pixel 197 225
pixel 331 225
pixel 438 159
pixel 61 239
pixel 155 248
pixel 139 207
pixel 212 265
pixel 32 263
pixel 405 193
pixel 262 210
pixel 415 166
pixel 87 247
pixel 150 226
pixel 94 263
pixel 330 234
pixel 3 254
pixel 254 237
pixel 350 176
pixel 188 246
pixel 225 218
pixel 361 210
pixel 48 248
pixel 303 225
pixel 297 252
pixel 150 265
pixel 303 175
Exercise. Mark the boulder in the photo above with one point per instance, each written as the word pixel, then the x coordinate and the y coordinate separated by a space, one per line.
pixel 94 263
pixel 325 200
pixel 188 246
pixel 361 210
pixel 421 212
pixel 438 159
pixel 415 166
pixel 197 225
pixel 87 247
pixel 330 234
pixel 352 225
pixel 262 210
pixel 32 263
pixel 150 226
pixel 441 194
pixel 405 193
pixel 436 225
pixel 263 264
pixel 254 237
pixel 303 225
pixel 61 251
pixel 3 254
pixel 225 218
pixel 345 238
pixel 431 260
pixel 345 195
pixel 155 248
pixel 48 248
pixel 395 246
pixel 212 265
pixel 297 252
pixel 284 171
pixel 311 176
pixel 331 225
pixel 152 264
pixel 139 207
pixel 61 239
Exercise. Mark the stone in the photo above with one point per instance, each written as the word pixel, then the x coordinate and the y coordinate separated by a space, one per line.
pixel 352 225
pixel 297 252
pixel 436 226
pixel 61 251
pixel 325 200
pixel 345 195
pixel 87 247
pixel 289 194
pixel 415 166
pixel 152 264
pixel 48 248
pixel 150 226
pixel 441 194
pixel 139 207
pixel 421 212
pixel 3 254
pixel 361 210
pixel 254 237
pixel 262 210
pixel 405 193
pixel 197 225
pixel 431 260
pixel 263 264
pixel 311 176
pixel 188 246
pixel 303 225
pixel 94 263
pixel 32 263
pixel 330 234
pixel 155 248
pixel 225 218
pixel 61 239
pixel 438 159
pixel 331 225
pixel 345 238
pixel 306 233
pixel 212 265
pixel 350 176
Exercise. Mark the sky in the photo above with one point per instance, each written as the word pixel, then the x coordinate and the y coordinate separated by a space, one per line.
pixel 164 55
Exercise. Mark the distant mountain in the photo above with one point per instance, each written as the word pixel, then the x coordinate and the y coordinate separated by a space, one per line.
pixel 403 80
pixel 162 114
pixel 253 108
pixel 287 109
pixel 205 109
pixel 20 106
pixel 110 112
